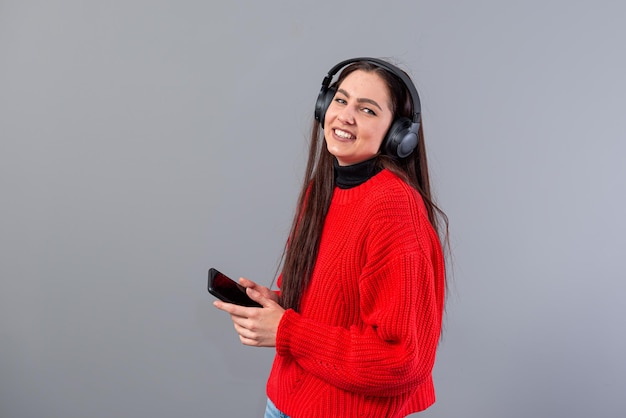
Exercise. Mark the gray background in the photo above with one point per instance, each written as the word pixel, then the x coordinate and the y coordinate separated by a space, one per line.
pixel 145 141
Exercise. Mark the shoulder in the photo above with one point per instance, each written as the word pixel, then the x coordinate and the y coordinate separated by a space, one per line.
pixel 397 213
pixel 390 193
pixel 397 223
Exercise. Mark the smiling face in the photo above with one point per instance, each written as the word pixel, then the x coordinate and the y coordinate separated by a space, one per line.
pixel 358 118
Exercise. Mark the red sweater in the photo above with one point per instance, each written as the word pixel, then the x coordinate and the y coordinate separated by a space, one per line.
pixel 364 341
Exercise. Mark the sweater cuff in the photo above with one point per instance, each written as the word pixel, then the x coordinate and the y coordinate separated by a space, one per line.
pixel 289 319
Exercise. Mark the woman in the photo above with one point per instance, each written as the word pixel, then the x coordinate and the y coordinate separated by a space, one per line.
pixel 358 317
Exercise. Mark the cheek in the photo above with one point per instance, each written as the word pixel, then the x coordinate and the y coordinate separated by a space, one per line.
pixel 327 126
pixel 375 145
pixel 379 136
pixel 330 111
pixel 326 129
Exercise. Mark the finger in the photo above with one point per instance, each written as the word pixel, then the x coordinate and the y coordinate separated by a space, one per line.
pixel 265 291
pixel 242 322
pixel 220 305
pixel 247 336
pixel 242 331
pixel 247 283
pixel 232 309
pixel 249 341
pixel 257 296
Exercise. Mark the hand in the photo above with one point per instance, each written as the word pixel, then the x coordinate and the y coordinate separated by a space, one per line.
pixel 256 326
pixel 261 289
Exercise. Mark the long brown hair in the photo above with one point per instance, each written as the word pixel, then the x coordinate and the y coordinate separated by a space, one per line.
pixel 300 252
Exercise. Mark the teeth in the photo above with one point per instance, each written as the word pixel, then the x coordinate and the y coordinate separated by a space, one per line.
pixel 343 134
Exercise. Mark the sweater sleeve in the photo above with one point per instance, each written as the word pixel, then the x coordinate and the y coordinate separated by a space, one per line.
pixel 400 306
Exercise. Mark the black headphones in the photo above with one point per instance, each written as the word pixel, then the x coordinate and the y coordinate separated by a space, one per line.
pixel 402 136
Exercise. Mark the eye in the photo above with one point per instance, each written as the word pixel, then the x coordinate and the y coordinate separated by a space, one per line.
pixel 340 100
pixel 368 111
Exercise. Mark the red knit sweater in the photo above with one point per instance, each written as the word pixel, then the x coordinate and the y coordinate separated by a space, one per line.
pixel 364 341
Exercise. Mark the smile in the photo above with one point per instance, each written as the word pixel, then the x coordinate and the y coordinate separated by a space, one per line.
pixel 343 134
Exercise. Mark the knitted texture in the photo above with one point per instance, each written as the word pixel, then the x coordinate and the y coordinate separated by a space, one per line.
pixel 364 341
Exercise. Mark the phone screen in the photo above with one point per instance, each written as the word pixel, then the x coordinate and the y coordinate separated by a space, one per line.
pixel 228 290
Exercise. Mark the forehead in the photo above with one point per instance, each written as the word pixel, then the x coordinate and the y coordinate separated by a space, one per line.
pixel 367 85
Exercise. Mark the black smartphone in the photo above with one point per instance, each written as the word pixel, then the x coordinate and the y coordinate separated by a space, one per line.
pixel 228 290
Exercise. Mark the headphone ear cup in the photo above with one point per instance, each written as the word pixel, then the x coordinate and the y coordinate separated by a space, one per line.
pixel 401 138
pixel 323 101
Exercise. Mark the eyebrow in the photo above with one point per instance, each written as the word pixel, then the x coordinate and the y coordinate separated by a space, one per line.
pixel 360 100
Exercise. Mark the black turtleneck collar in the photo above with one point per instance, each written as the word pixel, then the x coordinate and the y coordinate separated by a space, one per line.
pixel 348 176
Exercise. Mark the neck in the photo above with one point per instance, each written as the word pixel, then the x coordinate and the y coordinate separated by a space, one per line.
pixel 348 176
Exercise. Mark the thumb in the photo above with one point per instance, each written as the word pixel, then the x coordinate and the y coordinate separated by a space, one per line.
pixel 257 296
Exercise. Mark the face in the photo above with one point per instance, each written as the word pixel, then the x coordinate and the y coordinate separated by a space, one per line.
pixel 358 118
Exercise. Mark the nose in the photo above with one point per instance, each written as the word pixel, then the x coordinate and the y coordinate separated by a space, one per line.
pixel 346 116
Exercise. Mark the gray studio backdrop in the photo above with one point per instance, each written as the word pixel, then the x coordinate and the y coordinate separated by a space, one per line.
pixel 143 142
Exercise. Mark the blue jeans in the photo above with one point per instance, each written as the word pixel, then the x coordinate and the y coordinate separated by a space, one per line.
pixel 272 412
